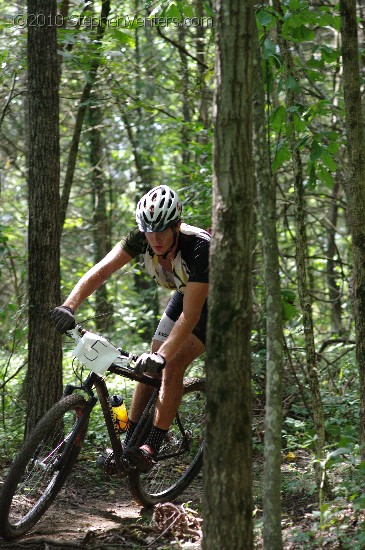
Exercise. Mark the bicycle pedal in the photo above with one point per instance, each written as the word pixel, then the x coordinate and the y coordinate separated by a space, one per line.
pixel 127 465
pixel 103 457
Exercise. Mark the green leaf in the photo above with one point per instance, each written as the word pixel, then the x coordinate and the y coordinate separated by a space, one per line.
pixel 291 21
pixel 288 304
pixel 292 84
pixel 288 295
pixel 329 55
pixel 278 118
pixel 288 311
pixel 332 135
pixel 264 17
pixel 312 177
pixel 315 63
pixel 123 37
pixel 325 176
pixel 333 147
pixel 173 11
pixel 328 161
pixel 282 155
pixel 324 507
pixel 302 34
pixel 268 48
pixel 188 11
pixel 316 151
pixel 300 125
pixel 315 76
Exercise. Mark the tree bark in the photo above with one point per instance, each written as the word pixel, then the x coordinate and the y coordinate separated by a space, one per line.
pixel 85 98
pixel 274 330
pixel 44 377
pixel 101 225
pixel 227 470
pixel 301 253
pixel 334 289
pixel 186 115
pixel 355 186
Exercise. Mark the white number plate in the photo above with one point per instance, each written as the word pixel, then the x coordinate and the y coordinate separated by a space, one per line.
pixel 95 352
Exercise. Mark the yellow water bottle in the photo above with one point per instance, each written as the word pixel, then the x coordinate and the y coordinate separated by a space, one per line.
pixel 120 412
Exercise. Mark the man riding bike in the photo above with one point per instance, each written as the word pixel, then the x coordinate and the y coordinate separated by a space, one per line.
pixel 176 255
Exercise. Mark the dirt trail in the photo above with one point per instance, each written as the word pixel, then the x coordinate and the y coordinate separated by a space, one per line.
pixel 100 514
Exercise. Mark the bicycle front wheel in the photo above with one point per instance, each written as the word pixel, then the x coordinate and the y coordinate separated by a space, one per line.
pixel 181 456
pixel 42 466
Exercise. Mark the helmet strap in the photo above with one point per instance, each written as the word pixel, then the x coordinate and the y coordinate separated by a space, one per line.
pixel 164 256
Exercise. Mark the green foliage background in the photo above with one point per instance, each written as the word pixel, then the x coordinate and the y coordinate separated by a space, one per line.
pixel 154 88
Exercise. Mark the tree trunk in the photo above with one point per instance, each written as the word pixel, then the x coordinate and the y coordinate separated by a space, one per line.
pixel 334 289
pixel 101 226
pixel 142 141
pixel 355 186
pixel 44 378
pixel 301 253
pixel 205 99
pixel 227 470
pixel 186 115
pixel 274 330
pixel 85 98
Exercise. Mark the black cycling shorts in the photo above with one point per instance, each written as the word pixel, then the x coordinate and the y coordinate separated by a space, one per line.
pixel 172 313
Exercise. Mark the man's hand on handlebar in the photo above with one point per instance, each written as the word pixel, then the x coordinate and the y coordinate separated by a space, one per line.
pixel 63 317
pixel 150 363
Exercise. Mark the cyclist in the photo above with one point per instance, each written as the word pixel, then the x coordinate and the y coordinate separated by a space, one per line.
pixel 176 255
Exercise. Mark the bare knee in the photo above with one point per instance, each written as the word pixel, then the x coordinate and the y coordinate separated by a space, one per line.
pixel 173 376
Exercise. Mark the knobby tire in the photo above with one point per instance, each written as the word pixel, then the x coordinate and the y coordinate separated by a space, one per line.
pixel 42 466
pixel 184 443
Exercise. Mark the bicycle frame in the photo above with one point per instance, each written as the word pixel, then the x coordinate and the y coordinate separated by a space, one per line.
pixel 121 367
pixel 95 381
pixel 50 452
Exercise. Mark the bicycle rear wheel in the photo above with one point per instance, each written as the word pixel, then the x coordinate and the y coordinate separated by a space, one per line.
pixel 42 466
pixel 180 458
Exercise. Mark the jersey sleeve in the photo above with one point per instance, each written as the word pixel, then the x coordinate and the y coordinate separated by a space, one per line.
pixel 134 243
pixel 199 263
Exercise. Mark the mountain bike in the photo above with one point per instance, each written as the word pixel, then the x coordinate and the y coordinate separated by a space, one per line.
pixel 49 454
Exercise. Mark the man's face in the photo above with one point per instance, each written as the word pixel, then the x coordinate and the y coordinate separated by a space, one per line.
pixel 161 241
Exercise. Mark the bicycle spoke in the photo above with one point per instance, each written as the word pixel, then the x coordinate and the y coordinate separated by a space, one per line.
pixel 180 457
pixel 42 467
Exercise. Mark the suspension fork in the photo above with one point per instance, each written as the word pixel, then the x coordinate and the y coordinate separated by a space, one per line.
pixel 80 423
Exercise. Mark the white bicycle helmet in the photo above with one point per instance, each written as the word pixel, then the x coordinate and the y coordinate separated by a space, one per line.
pixel 158 209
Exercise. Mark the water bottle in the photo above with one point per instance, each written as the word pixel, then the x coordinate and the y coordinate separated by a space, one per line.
pixel 120 412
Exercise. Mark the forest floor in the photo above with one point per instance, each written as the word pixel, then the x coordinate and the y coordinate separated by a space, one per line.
pixel 96 512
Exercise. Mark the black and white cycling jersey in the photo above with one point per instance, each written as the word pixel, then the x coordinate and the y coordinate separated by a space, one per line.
pixel 191 261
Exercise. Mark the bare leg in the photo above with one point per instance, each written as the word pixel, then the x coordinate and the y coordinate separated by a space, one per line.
pixel 172 384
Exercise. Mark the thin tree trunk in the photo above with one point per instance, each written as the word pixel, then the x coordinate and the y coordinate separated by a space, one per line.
pixel 205 99
pixel 274 330
pixel 334 289
pixel 185 139
pixel 84 100
pixel 301 252
pixel 44 377
pixel 142 141
pixel 101 226
pixel 227 470
pixel 355 186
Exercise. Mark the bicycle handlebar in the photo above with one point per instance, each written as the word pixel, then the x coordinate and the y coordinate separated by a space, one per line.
pixel 98 353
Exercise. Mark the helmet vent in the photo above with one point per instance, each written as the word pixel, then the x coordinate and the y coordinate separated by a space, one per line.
pixel 159 209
